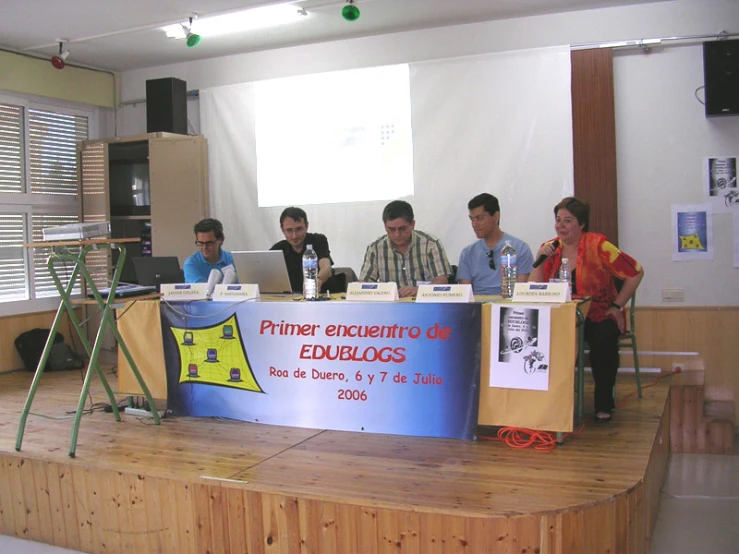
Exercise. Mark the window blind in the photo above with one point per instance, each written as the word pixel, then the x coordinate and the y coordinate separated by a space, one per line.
pixel 52 151
pixel 11 148
pixel 12 261
pixel 43 283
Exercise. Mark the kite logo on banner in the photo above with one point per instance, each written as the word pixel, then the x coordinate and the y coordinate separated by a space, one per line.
pixel 215 355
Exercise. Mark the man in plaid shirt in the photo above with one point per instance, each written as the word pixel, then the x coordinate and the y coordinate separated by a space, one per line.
pixel 403 255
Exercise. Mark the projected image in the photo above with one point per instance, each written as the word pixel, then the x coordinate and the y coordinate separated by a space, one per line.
pixel 334 137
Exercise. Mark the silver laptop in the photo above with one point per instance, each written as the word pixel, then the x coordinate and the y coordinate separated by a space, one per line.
pixel 265 268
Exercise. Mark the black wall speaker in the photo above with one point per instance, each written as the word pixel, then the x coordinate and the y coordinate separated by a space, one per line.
pixel 721 77
pixel 166 106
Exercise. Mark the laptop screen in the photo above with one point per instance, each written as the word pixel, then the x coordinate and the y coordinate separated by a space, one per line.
pixel 155 270
pixel 265 268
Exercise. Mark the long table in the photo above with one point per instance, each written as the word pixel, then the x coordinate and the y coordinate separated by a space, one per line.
pixel 310 364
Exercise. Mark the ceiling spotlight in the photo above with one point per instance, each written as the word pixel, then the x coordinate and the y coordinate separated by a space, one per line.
pixel 58 61
pixel 193 39
pixel 350 12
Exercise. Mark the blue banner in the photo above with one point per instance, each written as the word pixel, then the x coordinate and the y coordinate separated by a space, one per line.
pixel 396 368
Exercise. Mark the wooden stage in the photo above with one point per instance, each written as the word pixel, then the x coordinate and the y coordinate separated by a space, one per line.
pixel 218 486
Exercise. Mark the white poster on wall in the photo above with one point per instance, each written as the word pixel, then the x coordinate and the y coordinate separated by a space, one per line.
pixel 692 232
pixel 720 183
pixel 736 239
pixel 519 347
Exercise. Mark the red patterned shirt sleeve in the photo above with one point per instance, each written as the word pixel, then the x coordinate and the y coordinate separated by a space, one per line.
pixel 618 263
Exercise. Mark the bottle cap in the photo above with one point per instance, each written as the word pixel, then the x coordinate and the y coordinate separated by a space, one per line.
pixel 309 246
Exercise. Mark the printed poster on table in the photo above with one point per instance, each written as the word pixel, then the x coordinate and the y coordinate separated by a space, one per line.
pixel 719 183
pixel 520 353
pixel 692 232
pixel 375 367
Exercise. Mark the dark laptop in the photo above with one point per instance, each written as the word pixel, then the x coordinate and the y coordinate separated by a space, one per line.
pixel 124 291
pixel 155 270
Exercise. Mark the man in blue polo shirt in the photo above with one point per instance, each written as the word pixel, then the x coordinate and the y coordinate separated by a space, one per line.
pixel 208 238
pixel 479 263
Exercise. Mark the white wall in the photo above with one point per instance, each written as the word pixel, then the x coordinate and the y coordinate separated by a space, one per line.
pixel 662 134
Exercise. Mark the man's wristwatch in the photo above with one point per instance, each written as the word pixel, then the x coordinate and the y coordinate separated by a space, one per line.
pixel 614 305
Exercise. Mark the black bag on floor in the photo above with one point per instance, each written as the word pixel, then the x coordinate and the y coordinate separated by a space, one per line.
pixel 30 346
pixel 61 357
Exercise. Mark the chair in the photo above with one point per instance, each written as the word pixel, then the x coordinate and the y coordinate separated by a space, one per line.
pixel 453 275
pixel 341 277
pixel 628 340
pixel 581 346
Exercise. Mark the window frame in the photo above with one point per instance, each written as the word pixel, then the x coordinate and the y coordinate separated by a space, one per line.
pixel 28 203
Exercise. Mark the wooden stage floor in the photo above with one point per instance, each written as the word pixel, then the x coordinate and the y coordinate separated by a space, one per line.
pixel 219 486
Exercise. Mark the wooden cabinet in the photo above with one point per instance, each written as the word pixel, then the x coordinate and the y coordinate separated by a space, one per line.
pixel 152 186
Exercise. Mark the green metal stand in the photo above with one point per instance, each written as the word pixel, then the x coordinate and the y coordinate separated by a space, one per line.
pixel 106 322
pixel 580 363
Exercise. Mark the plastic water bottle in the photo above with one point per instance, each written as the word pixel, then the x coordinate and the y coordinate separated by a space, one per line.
pixel 507 270
pixel 565 275
pixel 310 273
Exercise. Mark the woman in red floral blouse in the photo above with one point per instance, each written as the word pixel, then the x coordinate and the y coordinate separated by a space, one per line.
pixel 595 264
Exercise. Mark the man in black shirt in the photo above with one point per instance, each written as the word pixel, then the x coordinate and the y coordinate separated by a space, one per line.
pixel 294 225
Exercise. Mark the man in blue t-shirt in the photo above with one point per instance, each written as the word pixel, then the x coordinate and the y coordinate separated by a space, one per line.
pixel 208 238
pixel 479 263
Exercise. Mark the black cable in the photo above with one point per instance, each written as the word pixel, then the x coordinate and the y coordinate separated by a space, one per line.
pixel 696 94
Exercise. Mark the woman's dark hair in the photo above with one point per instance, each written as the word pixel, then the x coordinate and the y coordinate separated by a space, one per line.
pixel 579 208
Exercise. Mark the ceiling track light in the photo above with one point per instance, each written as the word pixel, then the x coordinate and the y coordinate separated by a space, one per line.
pixel 59 61
pixel 192 39
pixel 350 12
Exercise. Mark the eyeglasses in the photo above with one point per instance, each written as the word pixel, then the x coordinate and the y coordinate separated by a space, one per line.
pixel 207 243
pixel 491 257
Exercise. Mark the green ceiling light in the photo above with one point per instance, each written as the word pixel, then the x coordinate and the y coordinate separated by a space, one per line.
pixel 193 39
pixel 350 12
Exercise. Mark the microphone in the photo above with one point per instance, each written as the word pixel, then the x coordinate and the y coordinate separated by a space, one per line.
pixel 214 278
pixel 540 259
pixel 229 275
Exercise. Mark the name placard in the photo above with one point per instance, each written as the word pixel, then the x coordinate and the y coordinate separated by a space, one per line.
pixel 235 293
pixel 372 292
pixel 445 293
pixel 541 292
pixel 183 291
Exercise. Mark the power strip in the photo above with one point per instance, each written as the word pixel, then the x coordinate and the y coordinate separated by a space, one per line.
pixel 137 412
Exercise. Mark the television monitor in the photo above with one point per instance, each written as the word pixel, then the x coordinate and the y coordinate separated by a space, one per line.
pixel 128 174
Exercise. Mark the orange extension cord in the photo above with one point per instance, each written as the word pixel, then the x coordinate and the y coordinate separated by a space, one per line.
pixel 518 437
